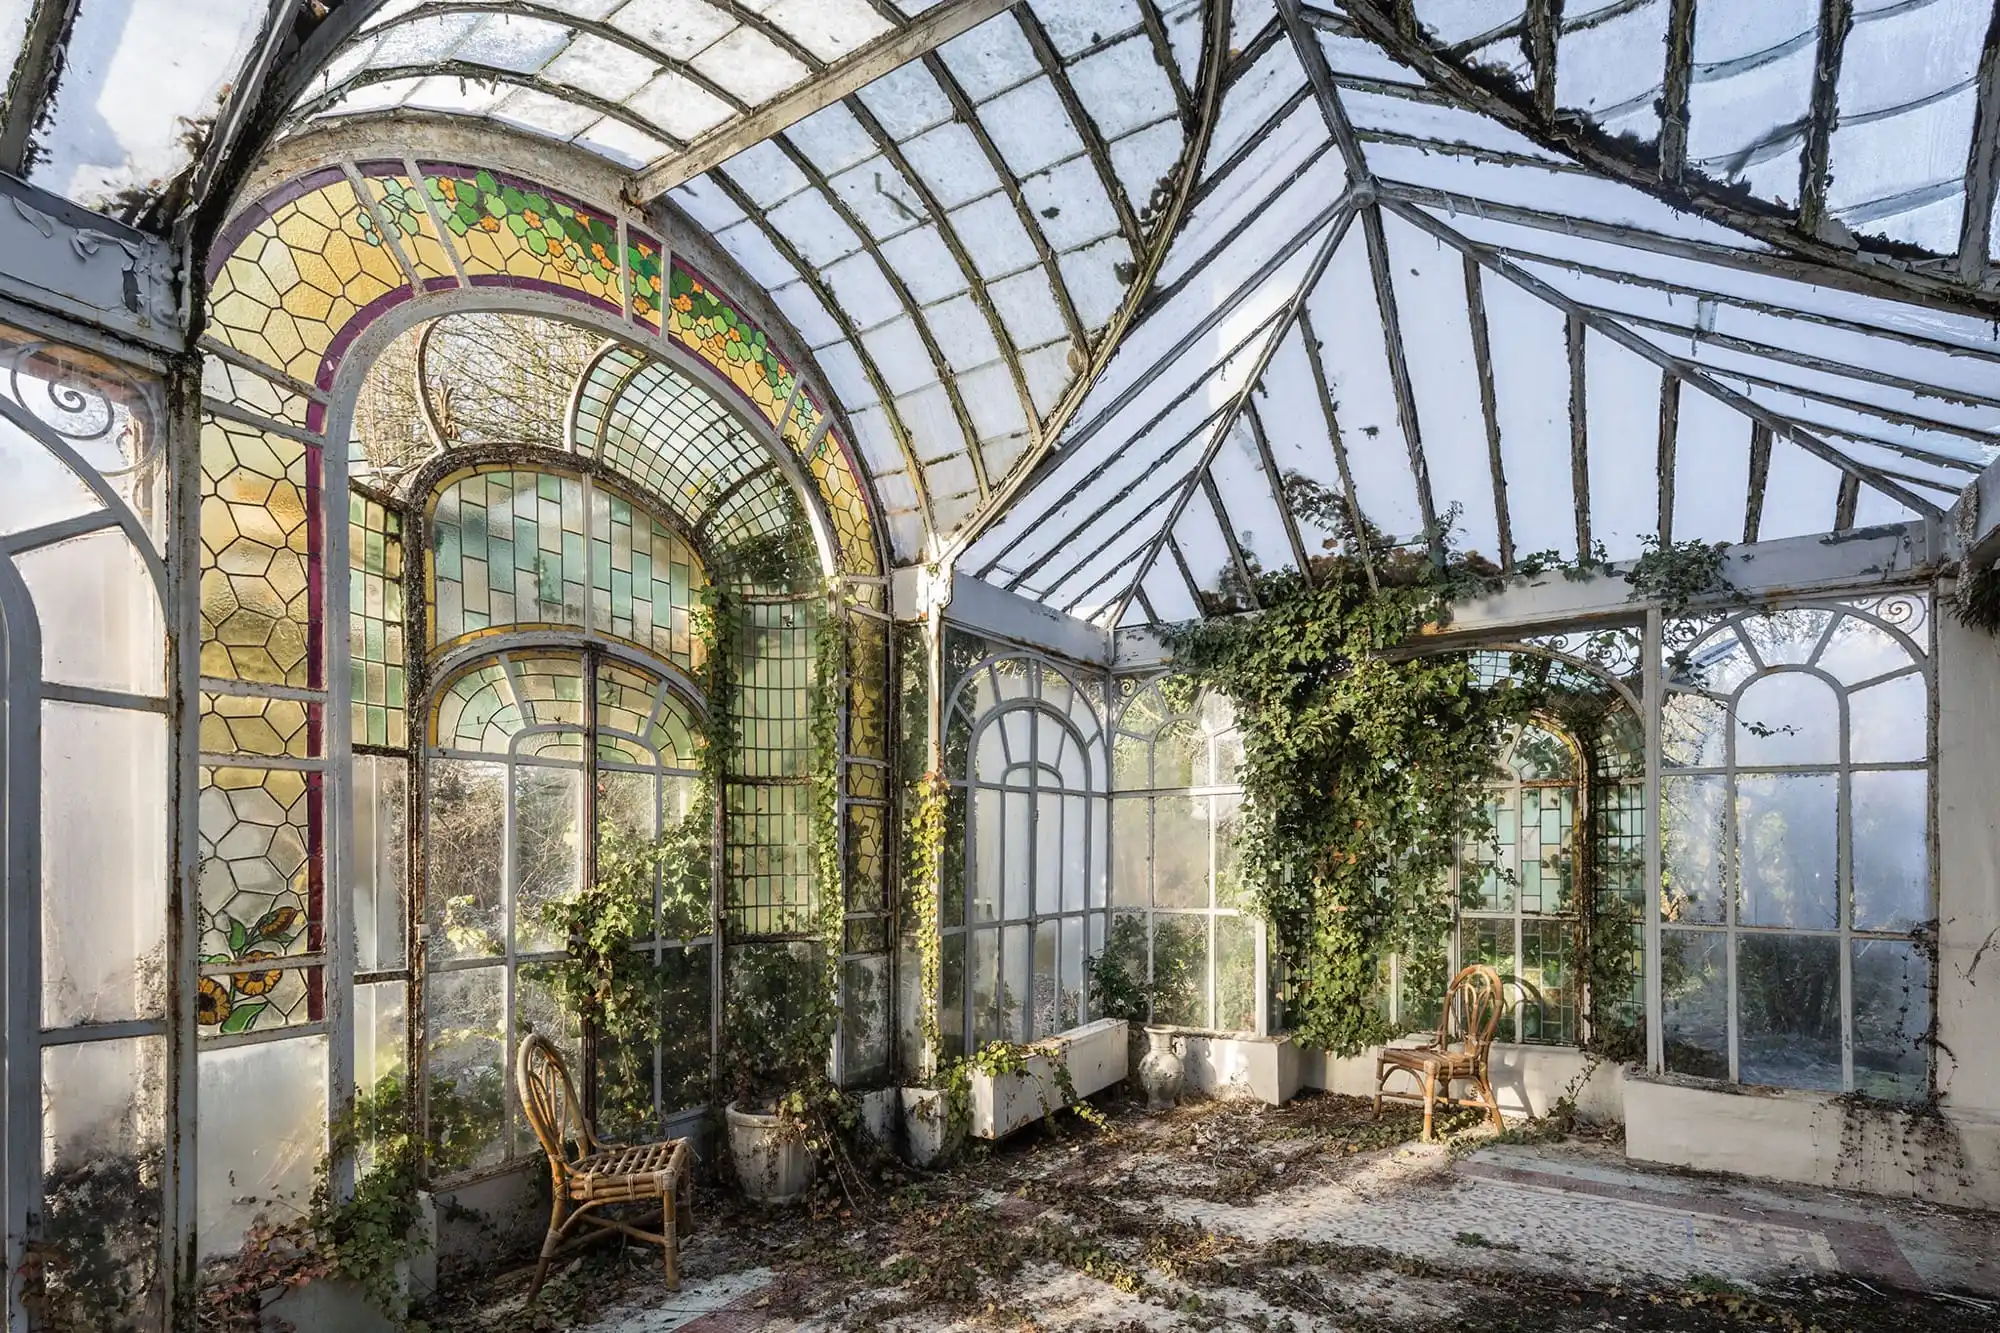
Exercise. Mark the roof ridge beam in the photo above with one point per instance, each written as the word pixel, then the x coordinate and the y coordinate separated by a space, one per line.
pixel 1982 166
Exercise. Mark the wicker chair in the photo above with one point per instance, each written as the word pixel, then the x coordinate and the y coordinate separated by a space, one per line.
pixel 1472 1008
pixel 589 1174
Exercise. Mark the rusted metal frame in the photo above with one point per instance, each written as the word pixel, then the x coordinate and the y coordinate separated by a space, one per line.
pixel 1885 413
pixel 1807 360
pixel 968 115
pixel 1277 484
pixel 223 352
pixel 1421 93
pixel 1166 294
pixel 1163 53
pixel 1846 502
pixel 1093 141
pixel 1110 502
pixel 1632 342
pixel 1251 52
pixel 1399 377
pixel 1836 20
pixel 1236 560
pixel 1982 164
pixel 1760 476
pixel 1495 156
pixel 1579 432
pixel 1676 88
pixel 1765 263
pixel 513 9
pixel 1489 405
pixel 1332 419
pixel 462 69
pixel 939 366
pixel 1075 565
pixel 1778 231
pixel 1110 581
pixel 1540 28
pixel 976 285
pixel 1909 451
pixel 839 315
pixel 1146 604
pixel 33 79
pixel 1670 437
pixel 1313 60
pixel 1180 563
pixel 829 83
pixel 1201 329
pixel 1512 28
pixel 1227 167
pixel 1215 54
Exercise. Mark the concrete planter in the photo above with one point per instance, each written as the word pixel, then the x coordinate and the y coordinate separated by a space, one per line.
pixel 929 1135
pixel 1096 1055
pixel 773 1164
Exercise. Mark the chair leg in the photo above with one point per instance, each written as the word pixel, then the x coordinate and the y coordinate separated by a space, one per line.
pixel 1381 1077
pixel 669 1231
pixel 1492 1100
pixel 550 1242
pixel 1430 1101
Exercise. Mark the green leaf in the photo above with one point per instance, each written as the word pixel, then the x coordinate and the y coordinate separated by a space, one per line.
pixel 239 938
pixel 242 1016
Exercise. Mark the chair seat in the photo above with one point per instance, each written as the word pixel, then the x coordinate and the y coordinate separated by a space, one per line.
pixel 1427 1058
pixel 640 1170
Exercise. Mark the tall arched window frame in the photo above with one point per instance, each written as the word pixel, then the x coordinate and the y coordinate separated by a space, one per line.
pixel 529 752
pixel 1032 910
pixel 1179 924
pixel 1797 882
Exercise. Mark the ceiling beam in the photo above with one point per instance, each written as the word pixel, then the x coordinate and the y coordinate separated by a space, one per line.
pixel 33 76
pixel 1330 417
pixel 1675 87
pixel 850 74
pixel 1399 376
pixel 1836 20
pixel 1982 167
pixel 1489 406
pixel 1692 374
pixel 1876 273
pixel 1277 485
pixel 1579 432
pixel 1313 59
pixel 1760 477
pixel 1669 454
pixel 1236 560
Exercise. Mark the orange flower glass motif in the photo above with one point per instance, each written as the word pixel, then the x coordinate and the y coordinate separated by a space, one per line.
pixel 260 982
pixel 211 1004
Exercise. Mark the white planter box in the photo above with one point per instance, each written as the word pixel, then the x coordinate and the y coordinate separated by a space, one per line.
pixel 1095 1054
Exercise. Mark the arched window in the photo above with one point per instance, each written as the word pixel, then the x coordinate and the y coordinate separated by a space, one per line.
pixel 1795 823
pixel 1181 939
pixel 1033 903
pixel 532 757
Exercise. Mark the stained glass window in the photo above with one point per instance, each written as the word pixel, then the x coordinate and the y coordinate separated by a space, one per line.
pixel 375 622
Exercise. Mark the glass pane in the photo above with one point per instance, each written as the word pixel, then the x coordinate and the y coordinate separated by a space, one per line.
pixel 864 1016
pixel 1788 1010
pixel 99 614
pixel 953 885
pixel 465 811
pixel 1017 852
pixel 1539 755
pixel 1129 851
pixel 1016 983
pixel 1079 833
pixel 628 802
pixel 952 981
pixel 98 1244
pixel 1043 1006
pixel 1693 728
pixel 1180 757
pixel 381 1029
pixel 1230 888
pixel 1892 889
pixel 381 846
pixel 104 864
pixel 1180 852
pixel 1235 974
pixel 687 988
pixel 1486 866
pixel 1048 853
pixel 986 986
pixel 1887 722
pixel 538 1010
pixel 1691 833
pixel 1787 717
pixel 1892 1011
pixel 1694 1002
pixel 261 1133
pixel 1069 1005
pixel 1488 941
pixel 1548 1002
pixel 1785 835
pixel 467 1114
pixel 1118 969
pixel 1180 970
pixel 548 848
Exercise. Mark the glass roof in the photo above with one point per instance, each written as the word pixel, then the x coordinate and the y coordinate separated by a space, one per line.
pixel 1443 325
pixel 1111 300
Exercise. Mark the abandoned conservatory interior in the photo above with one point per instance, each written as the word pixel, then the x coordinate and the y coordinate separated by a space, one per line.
pixel 732 607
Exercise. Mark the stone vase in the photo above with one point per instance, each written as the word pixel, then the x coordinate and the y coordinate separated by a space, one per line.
pixel 773 1164
pixel 1160 1071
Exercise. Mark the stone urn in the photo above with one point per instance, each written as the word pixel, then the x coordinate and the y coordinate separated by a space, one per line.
pixel 773 1164
pixel 1160 1071
pixel 933 1136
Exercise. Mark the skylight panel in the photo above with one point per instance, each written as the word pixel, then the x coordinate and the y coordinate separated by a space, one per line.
pixel 1145 164
pixel 1048 373
pixel 830 29
pixel 926 266
pixel 1612 69
pixel 951 164
pixel 1531 394
pixel 509 42
pixel 1288 407
pixel 1123 87
pixel 1359 58
pixel 1001 452
pixel 863 293
pixel 877 194
pixel 1248 499
pixel 677 29
pixel 926 412
pixel 602 69
pixel 898 352
pixel 881 453
pixel 1030 127
pixel 621 143
pixel 752 249
pixel 682 108
pixel 1453 21
pixel 1711 469
pixel 765 173
pixel 845 376
pixel 962 333
pixel 133 80
pixel 1256 96
pixel 422 40
pixel 1092 277
pixel 907 101
pixel 1800 493
pixel 1027 307
pixel 1071 204
pixel 990 58
pixel 1184 36
pixel 1622 420
pixel 992 233
pixel 1077 25
pixel 801 307
pixel 1247 18
pixel 543 113
pixel 832 139
pixel 1435 124
pixel 1251 188
pixel 706 203
pixel 750 66
pixel 1349 328
pixel 1751 93
pixel 991 402
pixel 1167 591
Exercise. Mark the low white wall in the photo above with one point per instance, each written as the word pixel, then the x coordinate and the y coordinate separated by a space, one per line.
pixel 1527 1079
pixel 1814 1139
pixel 1228 1065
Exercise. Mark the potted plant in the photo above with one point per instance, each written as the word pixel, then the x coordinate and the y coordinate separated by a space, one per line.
pixel 778 1032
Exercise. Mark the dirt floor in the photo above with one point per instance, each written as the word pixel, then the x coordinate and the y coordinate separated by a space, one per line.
pixel 1306 1217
